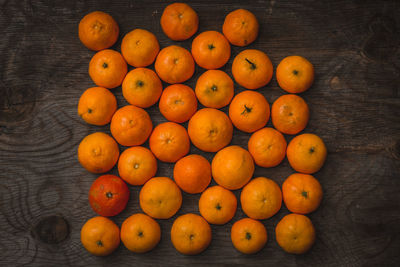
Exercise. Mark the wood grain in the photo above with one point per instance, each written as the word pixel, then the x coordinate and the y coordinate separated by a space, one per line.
pixel 354 102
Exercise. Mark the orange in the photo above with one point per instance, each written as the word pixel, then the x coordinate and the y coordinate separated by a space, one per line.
pixel 100 236
pixel 240 27
pixel 248 236
pixel 192 173
pixel 131 126
pixel 178 103
pixel 290 114
pixel 249 111
pixel 252 69
pixel 217 205
pixel 137 165
pixel 210 129
pixel 261 198
pixel 98 152
pixel 140 233
pixel 295 74
pixel 232 167
pixel 306 153
pixel 160 198
pixel 107 68
pixel 98 30
pixel 302 193
pixel 295 233
pixel 108 195
pixel 169 142
pixel 174 64
pixel 190 234
pixel 140 48
pixel 214 89
pixel 97 106
pixel 179 21
pixel 267 146
pixel 142 87
pixel 211 50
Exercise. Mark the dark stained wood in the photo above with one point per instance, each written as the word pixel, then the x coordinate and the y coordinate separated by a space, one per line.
pixel 355 108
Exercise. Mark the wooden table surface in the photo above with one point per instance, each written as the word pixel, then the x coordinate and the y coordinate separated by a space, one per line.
pixel 354 102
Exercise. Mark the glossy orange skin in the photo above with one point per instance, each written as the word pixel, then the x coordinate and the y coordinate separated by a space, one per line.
pixel 240 27
pixel 178 103
pixel 306 153
pixel 302 193
pixel 160 198
pixel 131 126
pixel 211 50
pixel 142 87
pixel 295 233
pixel 249 111
pixel 98 152
pixel 295 74
pixel 232 167
pixel 137 165
pixel 169 141
pixel 140 233
pixel 100 236
pixel 107 68
pixel 179 21
pixel 192 173
pixel 97 106
pixel 252 69
pixel 214 89
pixel 248 235
pixel 108 195
pixel 290 114
pixel 174 64
pixel 267 146
pixel 190 234
pixel 210 129
pixel 140 48
pixel 261 198
pixel 217 205
pixel 98 30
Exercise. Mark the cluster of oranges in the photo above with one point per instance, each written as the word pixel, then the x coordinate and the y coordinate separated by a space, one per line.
pixel 209 129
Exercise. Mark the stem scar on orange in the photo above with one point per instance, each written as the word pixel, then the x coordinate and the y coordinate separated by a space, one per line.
pixel 295 74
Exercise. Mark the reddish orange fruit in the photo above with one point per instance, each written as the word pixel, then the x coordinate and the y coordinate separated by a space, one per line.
pixel 108 195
